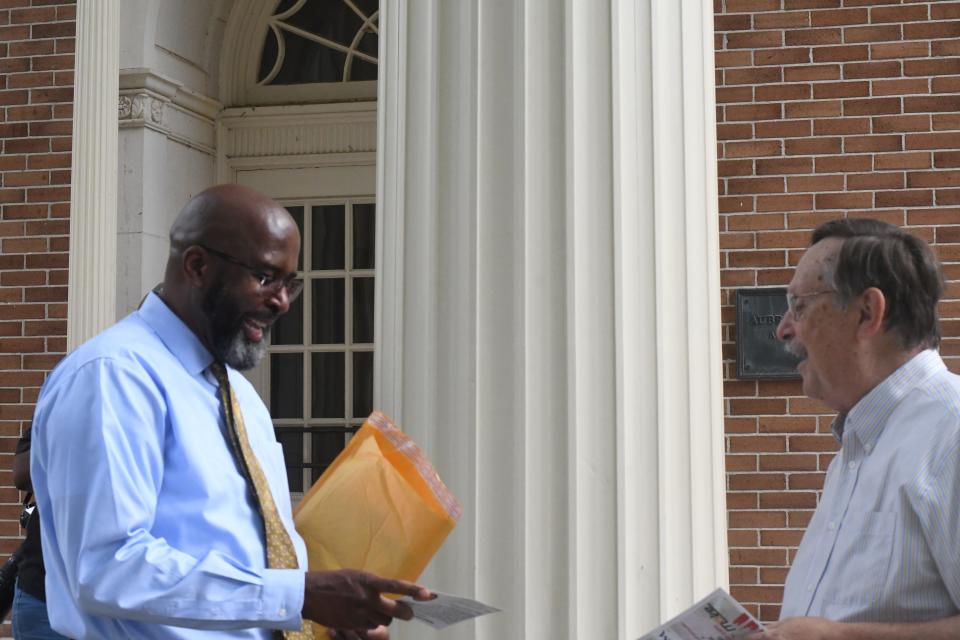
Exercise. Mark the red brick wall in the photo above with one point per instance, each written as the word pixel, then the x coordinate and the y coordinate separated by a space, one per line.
pixel 36 95
pixel 826 108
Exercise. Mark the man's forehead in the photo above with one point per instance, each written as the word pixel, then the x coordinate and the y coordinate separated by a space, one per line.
pixel 811 270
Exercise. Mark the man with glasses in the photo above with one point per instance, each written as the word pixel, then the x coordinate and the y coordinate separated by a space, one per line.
pixel 881 556
pixel 161 488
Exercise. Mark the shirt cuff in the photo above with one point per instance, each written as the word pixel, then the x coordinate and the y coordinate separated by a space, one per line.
pixel 283 597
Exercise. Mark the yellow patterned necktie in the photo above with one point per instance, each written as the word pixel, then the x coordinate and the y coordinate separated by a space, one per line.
pixel 280 551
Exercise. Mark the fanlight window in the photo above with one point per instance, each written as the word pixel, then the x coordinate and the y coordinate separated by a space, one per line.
pixel 311 41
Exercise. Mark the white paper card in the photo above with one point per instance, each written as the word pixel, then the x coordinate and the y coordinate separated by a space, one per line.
pixel 445 609
pixel 716 617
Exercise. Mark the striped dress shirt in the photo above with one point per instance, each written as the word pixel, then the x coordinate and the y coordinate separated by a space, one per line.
pixel 884 542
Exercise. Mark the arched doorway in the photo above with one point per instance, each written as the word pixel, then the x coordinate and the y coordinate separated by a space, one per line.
pixel 279 95
pixel 298 80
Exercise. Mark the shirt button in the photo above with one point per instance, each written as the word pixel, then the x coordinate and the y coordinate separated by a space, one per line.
pixel 851 465
pixel 832 526
pixel 283 611
pixel 810 589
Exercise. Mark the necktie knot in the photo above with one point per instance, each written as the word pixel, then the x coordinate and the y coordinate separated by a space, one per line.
pixel 219 374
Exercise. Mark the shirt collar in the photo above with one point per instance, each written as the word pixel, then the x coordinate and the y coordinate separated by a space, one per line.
pixel 867 418
pixel 175 335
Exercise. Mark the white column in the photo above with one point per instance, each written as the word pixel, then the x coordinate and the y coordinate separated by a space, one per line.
pixel 591 316
pixel 93 187
pixel 548 305
pixel 671 475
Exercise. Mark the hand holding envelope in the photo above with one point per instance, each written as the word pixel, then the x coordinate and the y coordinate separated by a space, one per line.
pixel 381 508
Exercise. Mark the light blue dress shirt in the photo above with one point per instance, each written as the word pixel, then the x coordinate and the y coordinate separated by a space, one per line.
pixel 884 542
pixel 149 530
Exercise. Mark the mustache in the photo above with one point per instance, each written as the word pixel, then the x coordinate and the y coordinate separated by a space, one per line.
pixel 266 319
pixel 795 349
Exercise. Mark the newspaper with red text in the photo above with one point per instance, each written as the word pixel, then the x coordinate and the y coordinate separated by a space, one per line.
pixel 716 617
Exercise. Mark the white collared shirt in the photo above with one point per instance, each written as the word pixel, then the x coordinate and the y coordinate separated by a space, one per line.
pixel 884 542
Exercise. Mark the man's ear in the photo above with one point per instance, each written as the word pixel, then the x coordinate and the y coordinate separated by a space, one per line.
pixel 872 306
pixel 195 265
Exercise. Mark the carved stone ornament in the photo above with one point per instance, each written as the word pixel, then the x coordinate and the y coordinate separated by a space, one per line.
pixel 156 111
pixel 125 107
pixel 133 107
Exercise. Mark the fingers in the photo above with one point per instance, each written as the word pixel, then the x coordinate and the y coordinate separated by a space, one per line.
pixel 395 608
pixel 400 587
pixel 379 633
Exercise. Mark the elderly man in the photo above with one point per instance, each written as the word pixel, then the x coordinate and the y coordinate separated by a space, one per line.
pixel 881 556
pixel 161 489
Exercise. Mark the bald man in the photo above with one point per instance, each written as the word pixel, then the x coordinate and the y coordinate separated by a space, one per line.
pixel 163 493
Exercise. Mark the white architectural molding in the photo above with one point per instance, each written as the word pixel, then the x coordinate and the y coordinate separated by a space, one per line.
pixel 548 304
pixel 302 130
pixel 149 99
pixel 93 187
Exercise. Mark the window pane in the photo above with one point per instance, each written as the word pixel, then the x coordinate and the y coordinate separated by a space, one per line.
pixel 292 443
pixel 363 69
pixel 362 310
pixel 362 384
pixel 268 55
pixel 297 213
pixel 328 385
pixel 286 385
pixel 288 329
pixel 364 235
pixel 328 238
pixel 328 311
pixel 305 60
pixel 326 446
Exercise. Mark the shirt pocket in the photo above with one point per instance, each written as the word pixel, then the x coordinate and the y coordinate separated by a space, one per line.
pixel 860 562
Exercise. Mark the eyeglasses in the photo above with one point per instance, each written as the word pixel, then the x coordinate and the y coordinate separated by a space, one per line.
pixel 269 285
pixel 793 302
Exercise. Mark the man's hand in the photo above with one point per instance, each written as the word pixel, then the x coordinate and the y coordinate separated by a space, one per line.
pixel 800 629
pixel 354 600
pixel 380 633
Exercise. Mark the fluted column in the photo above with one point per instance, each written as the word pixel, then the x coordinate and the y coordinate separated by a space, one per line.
pixel 93 187
pixel 548 301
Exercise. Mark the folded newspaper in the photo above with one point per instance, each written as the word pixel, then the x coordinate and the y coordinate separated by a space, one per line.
pixel 716 617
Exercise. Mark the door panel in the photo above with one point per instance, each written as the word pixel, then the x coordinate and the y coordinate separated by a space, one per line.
pixel 317 379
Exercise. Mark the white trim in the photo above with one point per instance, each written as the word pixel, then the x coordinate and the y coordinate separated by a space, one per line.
pixel 187 99
pixel 153 101
pixel 241 49
pixel 347 131
pixel 391 167
pixel 364 159
pixel 92 275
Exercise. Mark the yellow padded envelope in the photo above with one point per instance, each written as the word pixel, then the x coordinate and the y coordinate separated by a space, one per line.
pixel 380 506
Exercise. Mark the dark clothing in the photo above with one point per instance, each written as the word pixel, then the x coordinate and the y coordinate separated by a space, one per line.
pixel 30 621
pixel 30 574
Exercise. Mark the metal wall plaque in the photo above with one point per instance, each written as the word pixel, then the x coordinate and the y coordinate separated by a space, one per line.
pixel 759 353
